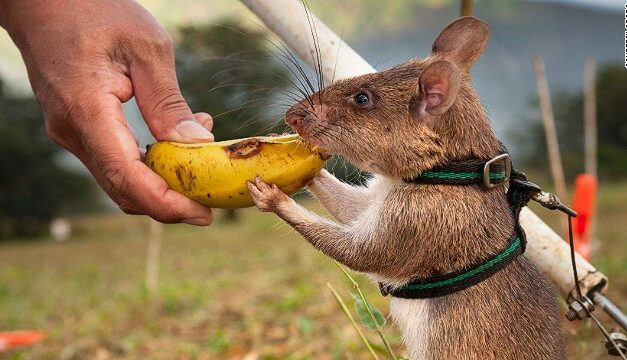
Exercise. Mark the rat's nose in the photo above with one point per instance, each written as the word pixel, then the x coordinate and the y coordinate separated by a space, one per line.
pixel 299 116
pixel 295 116
pixel 292 119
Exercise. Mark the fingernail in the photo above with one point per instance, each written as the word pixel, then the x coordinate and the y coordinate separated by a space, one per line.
pixel 197 221
pixel 192 130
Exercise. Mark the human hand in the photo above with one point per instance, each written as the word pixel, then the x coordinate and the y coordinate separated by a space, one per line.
pixel 86 58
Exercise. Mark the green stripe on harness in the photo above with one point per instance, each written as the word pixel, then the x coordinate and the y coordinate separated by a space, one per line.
pixel 489 173
pixel 473 272
pixel 461 175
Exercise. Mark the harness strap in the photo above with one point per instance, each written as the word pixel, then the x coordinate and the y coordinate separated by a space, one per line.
pixel 451 283
pixel 490 174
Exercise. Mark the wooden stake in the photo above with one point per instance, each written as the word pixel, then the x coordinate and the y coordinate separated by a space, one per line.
pixel 590 133
pixel 590 117
pixel 152 257
pixel 546 248
pixel 466 8
pixel 555 158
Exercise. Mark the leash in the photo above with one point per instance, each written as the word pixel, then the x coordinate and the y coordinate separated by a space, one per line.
pixel 581 307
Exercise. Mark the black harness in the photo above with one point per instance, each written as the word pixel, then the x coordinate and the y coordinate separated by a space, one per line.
pixel 489 174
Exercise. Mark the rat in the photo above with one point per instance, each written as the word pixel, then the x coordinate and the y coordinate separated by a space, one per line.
pixel 395 124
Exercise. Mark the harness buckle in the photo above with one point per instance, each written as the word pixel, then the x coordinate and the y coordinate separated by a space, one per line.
pixel 487 181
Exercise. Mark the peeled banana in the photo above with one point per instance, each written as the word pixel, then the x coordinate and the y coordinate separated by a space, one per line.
pixel 215 174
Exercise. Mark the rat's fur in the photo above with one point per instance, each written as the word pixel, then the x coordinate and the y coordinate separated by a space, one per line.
pixel 421 114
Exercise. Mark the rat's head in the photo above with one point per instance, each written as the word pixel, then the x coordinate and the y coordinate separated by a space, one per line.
pixel 410 117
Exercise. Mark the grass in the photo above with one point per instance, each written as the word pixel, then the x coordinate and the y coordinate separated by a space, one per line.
pixel 246 290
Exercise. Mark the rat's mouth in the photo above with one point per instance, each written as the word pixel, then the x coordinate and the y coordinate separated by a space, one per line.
pixel 300 124
pixel 315 135
pixel 307 134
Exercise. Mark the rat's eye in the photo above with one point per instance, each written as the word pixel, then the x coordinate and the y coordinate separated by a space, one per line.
pixel 362 98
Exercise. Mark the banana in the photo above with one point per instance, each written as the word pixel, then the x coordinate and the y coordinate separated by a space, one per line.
pixel 215 174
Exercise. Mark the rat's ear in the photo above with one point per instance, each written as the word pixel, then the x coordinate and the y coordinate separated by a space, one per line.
pixel 437 89
pixel 462 41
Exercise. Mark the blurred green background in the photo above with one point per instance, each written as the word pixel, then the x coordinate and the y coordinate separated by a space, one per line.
pixel 248 287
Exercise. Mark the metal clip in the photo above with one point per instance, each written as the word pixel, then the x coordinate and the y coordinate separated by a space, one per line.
pixel 552 202
pixel 621 343
pixel 487 182
pixel 579 309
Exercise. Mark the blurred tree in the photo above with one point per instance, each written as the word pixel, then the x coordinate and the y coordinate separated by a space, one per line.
pixel 228 71
pixel 568 108
pixel 33 187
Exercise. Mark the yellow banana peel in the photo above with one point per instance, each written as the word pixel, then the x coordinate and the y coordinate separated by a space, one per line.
pixel 215 174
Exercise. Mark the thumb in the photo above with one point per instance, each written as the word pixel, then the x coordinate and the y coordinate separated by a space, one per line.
pixel 160 101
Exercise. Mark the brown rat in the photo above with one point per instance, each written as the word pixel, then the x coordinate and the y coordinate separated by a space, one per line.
pixel 395 124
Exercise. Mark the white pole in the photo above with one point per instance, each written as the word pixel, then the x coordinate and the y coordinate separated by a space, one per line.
pixel 287 18
pixel 289 21
pixel 550 133
pixel 152 257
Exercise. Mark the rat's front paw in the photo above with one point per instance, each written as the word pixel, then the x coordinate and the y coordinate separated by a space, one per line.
pixel 266 197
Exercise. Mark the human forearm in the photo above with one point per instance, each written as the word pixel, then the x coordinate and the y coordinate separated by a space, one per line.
pixel 16 16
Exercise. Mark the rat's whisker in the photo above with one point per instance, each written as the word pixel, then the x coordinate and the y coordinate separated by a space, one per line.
pixel 231 58
pixel 285 51
pixel 264 118
pixel 330 134
pixel 286 58
pixel 261 89
pixel 225 83
pixel 287 55
pixel 317 62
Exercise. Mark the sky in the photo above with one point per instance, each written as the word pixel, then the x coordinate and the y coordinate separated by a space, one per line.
pixel 606 4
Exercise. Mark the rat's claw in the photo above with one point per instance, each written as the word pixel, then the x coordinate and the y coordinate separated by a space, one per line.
pixel 266 197
pixel 260 183
pixel 254 191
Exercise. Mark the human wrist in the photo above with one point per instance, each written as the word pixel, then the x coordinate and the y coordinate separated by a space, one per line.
pixel 17 16
pixel 5 7
pixel 9 16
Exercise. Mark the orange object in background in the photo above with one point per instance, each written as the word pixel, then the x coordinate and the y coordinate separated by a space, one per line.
pixel 13 339
pixel 584 204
